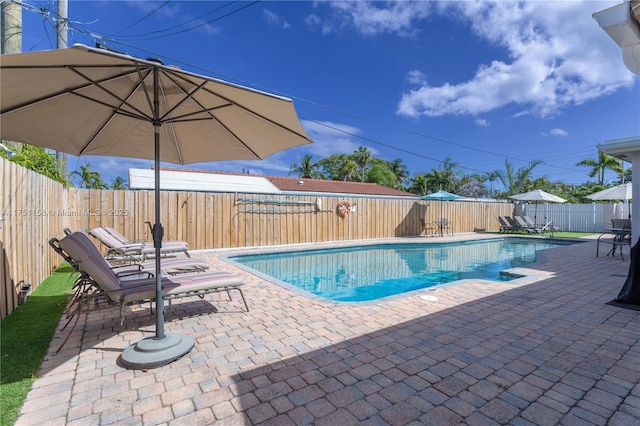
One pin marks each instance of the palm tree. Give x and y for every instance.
(472, 186)
(516, 181)
(88, 178)
(419, 184)
(492, 177)
(601, 164)
(307, 168)
(362, 158)
(118, 183)
(399, 169)
(444, 177)
(348, 170)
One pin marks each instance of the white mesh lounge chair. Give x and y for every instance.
(126, 241)
(93, 266)
(98, 283)
(116, 248)
(169, 265)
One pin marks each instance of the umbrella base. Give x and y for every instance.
(152, 352)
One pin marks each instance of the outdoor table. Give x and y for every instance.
(443, 223)
(621, 236)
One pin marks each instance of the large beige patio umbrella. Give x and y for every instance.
(86, 101)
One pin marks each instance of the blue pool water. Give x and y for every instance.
(367, 273)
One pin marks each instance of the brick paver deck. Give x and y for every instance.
(543, 352)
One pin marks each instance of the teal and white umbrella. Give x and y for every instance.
(442, 196)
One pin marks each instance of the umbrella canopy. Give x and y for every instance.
(442, 196)
(538, 195)
(86, 101)
(619, 192)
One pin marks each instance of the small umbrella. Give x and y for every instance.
(442, 196)
(538, 195)
(86, 101)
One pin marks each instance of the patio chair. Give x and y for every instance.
(169, 265)
(428, 228)
(445, 226)
(621, 223)
(98, 283)
(117, 249)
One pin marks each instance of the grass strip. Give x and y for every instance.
(25, 336)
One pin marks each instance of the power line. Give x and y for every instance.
(145, 17)
(183, 23)
(233, 12)
(79, 27)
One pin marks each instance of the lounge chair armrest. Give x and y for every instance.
(134, 275)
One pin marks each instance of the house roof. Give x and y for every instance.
(199, 180)
(334, 186)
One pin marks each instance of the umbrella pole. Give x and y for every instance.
(441, 218)
(152, 352)
(158, 233)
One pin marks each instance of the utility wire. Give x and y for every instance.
(144, 17)
(199, 25)
(310, 102)
(181, 24)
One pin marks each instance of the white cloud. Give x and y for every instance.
(332, 138)
(415, 77)
(275, 20)
(329, 139)
(558, 56)
(558, 132)
(481, 122)
(371, 18)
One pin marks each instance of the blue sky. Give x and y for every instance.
(477, 82)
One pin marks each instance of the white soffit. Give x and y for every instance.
(621, 148)
(195, 181)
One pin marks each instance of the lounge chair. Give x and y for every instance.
(515, 225)
(524, 226)
(97, 279)
(117, 249)
(528, 225)
(125, 240)
(169, 265)
(504, 225)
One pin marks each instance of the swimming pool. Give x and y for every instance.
(366, 273)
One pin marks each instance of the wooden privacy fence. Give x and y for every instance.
(36, 209)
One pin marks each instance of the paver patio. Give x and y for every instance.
(546, 352)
